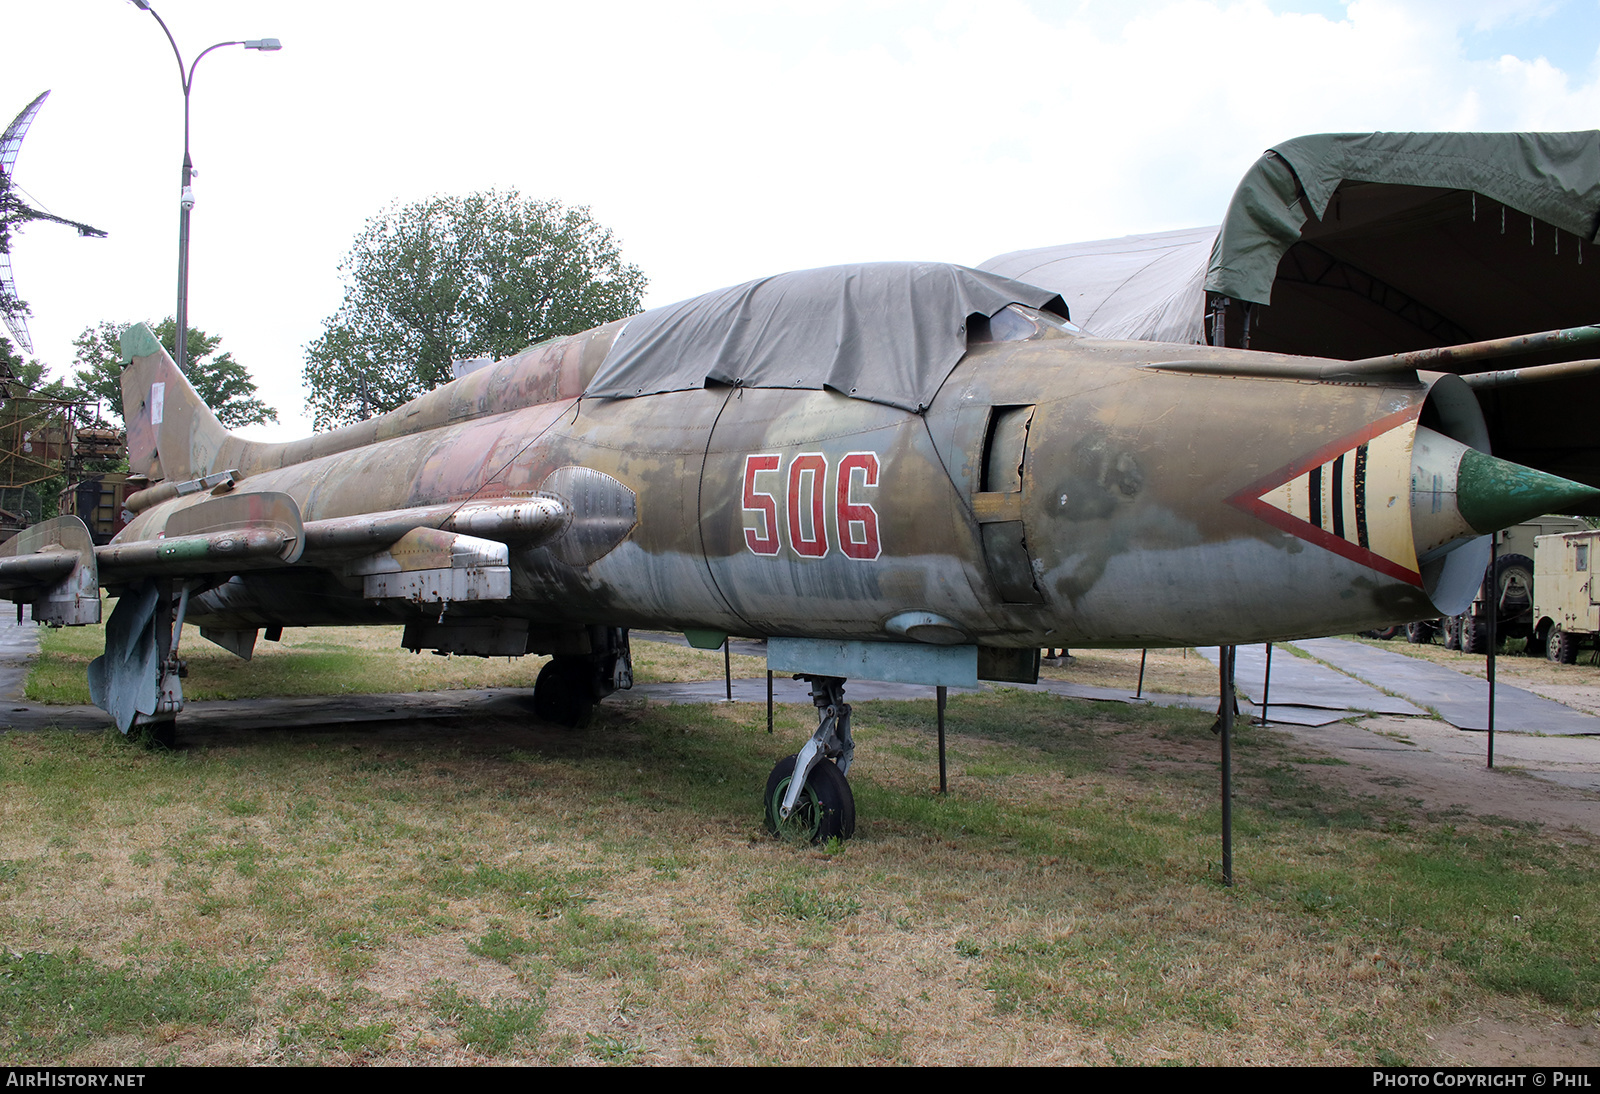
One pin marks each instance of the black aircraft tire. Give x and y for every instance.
(158, 735)
(1421, 633)
(1559, 646)
(827, 808)
(559, 696)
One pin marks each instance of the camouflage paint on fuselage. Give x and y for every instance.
(1113, 528)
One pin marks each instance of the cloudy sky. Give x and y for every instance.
(721, 141)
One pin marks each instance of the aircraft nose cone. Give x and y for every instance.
(1459, 493)
(1493, 493)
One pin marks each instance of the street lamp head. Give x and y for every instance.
(262, 43)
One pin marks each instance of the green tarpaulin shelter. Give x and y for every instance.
(1356, 244)
(1353, 245)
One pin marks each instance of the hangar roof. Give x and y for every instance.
(1363, 244)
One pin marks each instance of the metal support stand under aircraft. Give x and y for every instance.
(1227, 708)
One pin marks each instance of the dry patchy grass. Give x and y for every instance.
(1169, 672)
(465, 892)
(513, 892)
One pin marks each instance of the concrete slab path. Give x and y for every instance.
(1461, 700)
(1304, 692)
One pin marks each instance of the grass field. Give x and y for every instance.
(509, 892)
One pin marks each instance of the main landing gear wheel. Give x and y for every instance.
(162, 734)
(562, 695)
(827, 808)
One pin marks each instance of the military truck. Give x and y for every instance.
(98, 501)
(1566, 602)
(1510, 588)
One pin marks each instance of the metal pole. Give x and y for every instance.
(185, 206)
(186, 177)
(943, 692)
(1142, 655)
(1227, 764)
(769, 702)
(727, 666)
(1492, 602)
(1266, 687)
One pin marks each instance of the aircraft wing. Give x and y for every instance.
(264, 530)
(53, 565)
(56, 564)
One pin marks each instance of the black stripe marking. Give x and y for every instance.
(1314, 484)
(1361, 495)
(1337, 490)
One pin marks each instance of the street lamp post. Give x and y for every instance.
(186, 191)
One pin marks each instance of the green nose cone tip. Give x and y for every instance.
(1493, 494)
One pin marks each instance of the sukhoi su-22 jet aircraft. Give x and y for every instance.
(911, 472)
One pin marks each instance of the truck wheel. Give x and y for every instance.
(1513, 596)
(1421, 633)
(1474, 635)
(1537, 642)
(1560, 647)
(1452, 633)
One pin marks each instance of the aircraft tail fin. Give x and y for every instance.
(172, 434)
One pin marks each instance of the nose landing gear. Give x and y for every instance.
(808, 797)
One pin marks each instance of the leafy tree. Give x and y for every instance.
(485, 275)
(221, 381)
(10, 364)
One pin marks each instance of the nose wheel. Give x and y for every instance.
(826, 808)
(808, 798)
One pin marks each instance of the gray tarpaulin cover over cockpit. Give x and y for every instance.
(885, 332)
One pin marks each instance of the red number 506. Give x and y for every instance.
(805, 492)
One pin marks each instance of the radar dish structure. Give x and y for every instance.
(14, 212)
